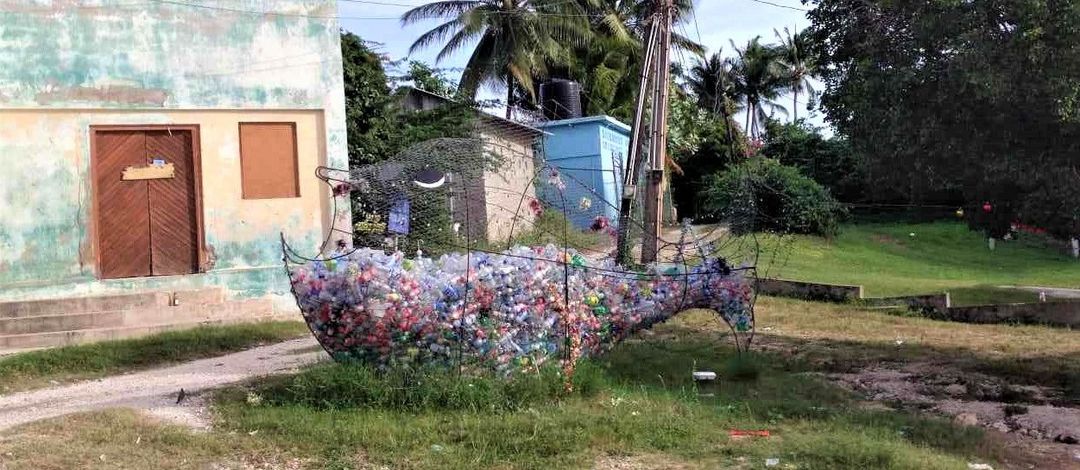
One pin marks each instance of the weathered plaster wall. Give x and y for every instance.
(68, 64)
(46, 230)
(504, 188)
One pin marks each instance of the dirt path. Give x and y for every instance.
(156, 390)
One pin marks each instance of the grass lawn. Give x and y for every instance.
(633, 408)
(886, 260)
(34, 369)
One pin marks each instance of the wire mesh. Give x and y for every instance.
(479, 253)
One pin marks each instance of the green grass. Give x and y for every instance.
(887, 260)
(632, 408)
(32, 369)
(637, 402)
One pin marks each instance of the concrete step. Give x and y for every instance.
(185, 312)
(110, 302)
(8, 343)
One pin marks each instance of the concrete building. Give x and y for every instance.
(590, 155)
(153, 152)
(498, 200)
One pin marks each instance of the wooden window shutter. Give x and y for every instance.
(268, 167)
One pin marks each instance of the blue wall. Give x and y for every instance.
(590, 154)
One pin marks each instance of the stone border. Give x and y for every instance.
(808, 290)
(938, 306)
(1066, 314)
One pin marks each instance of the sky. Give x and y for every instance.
(718, 22)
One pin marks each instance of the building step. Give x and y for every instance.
(10, 343)
(110, 303)
(185, 312)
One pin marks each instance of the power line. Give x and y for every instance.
(334, 17)
(390, 4)
(766, 2)
(273, 13)
(693, 14)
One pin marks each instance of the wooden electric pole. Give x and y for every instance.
(655, 75)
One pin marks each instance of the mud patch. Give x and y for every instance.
(1023, 415)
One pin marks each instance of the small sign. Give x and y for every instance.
(158, 162)
(399, 217)
(151, 172)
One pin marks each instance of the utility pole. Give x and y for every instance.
(654, 195)
(655, 75)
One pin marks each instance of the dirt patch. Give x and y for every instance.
(1034, 431)
(641, 462)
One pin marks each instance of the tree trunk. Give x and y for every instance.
(753, 123)
(509, 97)
(794, 103)
(749, 110)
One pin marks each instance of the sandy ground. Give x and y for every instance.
(156, 390)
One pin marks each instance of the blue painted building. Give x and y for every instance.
(590, 155)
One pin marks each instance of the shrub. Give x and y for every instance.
(829, 161)
(761, 194)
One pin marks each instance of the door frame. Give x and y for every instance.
(196, 164)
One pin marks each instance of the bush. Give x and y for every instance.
(829, 161)
(763, 195)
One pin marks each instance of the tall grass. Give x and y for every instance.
(351, 385)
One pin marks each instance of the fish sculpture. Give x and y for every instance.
(509, 311)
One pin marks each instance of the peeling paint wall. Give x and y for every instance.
(66, 65)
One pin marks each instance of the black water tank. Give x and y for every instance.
(560, 99)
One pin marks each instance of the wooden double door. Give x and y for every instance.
(146, 201)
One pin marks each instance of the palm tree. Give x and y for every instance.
(713, 84)
(607, 66)
(798, 66)
(515, 39)
(758, 81)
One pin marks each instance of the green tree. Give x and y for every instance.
(829, 161)
(700, 143)
(367, 95)
(427, 78)
(761, 194)
(959, 101)
(797, 65)
(515, 39)
(712, 82)
(608, 64)
(759, 79)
